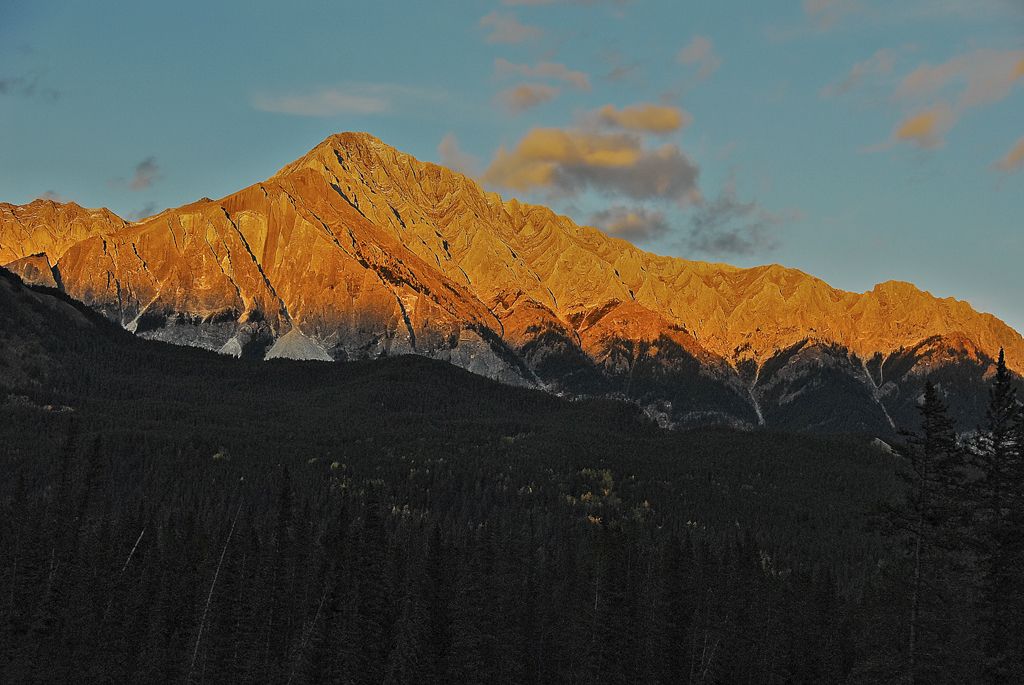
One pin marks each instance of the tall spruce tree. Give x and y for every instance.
(998, 528)
(930, 520)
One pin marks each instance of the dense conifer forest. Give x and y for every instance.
(170, 515)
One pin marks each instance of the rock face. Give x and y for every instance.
(358, 250)
(50, 228)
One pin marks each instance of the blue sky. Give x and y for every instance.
(846, 138)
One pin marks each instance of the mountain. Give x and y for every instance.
(357, 250)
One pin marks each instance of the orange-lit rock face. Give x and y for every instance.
(34, 269)
(45, 226)
(362, 250)
(493, 247)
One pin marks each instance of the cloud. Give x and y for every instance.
(452, 156)
(1013, 161)
(700, 53)
(619, 68)
(983, 77)
(536, 3)
(27, 86)
(506, 29)
(728, 226)
(942, 93)
(879, 64)
(645, 117)
(568, 161)
(349, 98)
(553, 71)
(959, 10)
(323, 103)
(927, 128)
(52, 196)
(147, 210)
(524, 96)
(635, 224)
(825, 14)
(146, 172)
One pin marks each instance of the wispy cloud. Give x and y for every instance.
(143, 212)
(146, 173)
(28, 86)
(506, 29)
(618, 68)
(881, 63)
(1013, 160)
(825, 14)
(938, 95)
(700, 54)
(350, 98)
(635, 224)
(452, 156)
(52, 196)
(982, 77)
(537, 3)
(322, 103)
(645, 117)
(729, 226)
(526, 96)
(554, 71)
(926, 129)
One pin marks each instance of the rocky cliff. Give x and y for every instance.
(359, 250)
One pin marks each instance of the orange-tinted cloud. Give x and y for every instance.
(554, 71)
(983, 77)
(645, 117)
(506, 29)
(1013, 161)
(527, 95)
(568, 161)
(925, 129)
(944, 92)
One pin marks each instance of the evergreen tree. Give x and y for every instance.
(998, 499)
(931, 521)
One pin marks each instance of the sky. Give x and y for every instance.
(857, 140)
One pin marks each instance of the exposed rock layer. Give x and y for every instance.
(357, 249)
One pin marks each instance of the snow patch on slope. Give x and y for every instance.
(295, 345)
(232, 347)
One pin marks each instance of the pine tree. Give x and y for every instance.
(931, 521)
(998, 500)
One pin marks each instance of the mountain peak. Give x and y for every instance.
(364, 250)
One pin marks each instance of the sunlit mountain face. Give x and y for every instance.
(357, 250)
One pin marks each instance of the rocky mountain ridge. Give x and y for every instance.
(359, 250)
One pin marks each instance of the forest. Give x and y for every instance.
(171, 515)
